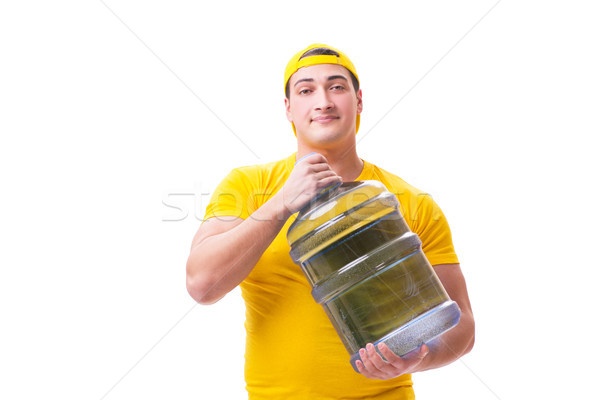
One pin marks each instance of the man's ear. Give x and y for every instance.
(359, 105)
(288, 114)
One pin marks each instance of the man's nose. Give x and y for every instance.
(323, 101)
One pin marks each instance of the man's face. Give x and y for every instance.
(323, 105)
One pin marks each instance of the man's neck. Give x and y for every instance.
(344, 161)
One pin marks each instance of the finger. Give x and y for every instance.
(318, 167)
(312, 158)
(389, 355)
(368, 364)
(415, 357)
(303, 157)
(376, 359)
(417, 353)
(328, 184)
(423, 351)
(326, 174)
(361, 368)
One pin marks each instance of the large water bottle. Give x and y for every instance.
(368, 271)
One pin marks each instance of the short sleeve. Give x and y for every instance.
(434, 231)
(231, 197)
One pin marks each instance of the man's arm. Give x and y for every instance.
(226, 249)
(445, 349)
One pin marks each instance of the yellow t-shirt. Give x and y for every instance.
(292, 349)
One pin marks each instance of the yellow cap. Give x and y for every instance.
(296, 63)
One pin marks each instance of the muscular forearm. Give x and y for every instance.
(219, 263)
(450, 346)
(459, 340)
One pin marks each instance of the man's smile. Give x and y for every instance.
(324, 118)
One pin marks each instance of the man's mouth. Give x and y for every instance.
(324, 118)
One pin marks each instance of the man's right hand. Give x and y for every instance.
(311, 175)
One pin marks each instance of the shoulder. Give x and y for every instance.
(246, 188)
(394, 183)
(260, 174)
(274, 167)
(415, 204)
(423, 216)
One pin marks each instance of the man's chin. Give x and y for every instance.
(323, 139)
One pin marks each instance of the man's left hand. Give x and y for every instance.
(375, 367)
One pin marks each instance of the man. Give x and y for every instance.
(292, 349)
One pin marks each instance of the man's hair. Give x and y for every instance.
(322, 51)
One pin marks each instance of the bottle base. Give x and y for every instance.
(421, 329)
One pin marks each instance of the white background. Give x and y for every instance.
(118, 118)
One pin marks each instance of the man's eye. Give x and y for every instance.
(337, 87)
(304, 91)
